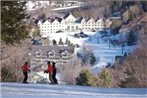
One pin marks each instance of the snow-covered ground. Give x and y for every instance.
(34, 5)
(102, 52)
(65, 8)
(18, 90)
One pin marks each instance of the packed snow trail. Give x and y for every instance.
(18, 90)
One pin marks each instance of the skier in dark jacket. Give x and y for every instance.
(54, 73)
(25, 69)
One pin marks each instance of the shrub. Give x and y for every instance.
(66, 42)
(132, 38)
(54, 42)
(60, 42)
(105, 79)
(6, 75)
(77, 35)
(85, 78)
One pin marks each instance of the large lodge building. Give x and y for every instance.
(70, 23)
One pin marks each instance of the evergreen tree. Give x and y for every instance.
(60, 41)
(66, 42)
(93, 59)
(13, 17)
(69, 43)
(105, 79)
(85, 79)
(115, 6)
(54, 42)
(144, 7)
(132, 38)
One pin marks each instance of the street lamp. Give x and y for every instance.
(98, 40)
(123, 48)
(98, 37)
(109, 41)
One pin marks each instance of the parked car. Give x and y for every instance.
(108, 65)
(60, 31)
(77, 35)
(93, 30)
(77, 45)
(82, 35)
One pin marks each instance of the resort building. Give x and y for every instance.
(69, 23)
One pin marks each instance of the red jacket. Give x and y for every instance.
(25, 67)
(50, 68)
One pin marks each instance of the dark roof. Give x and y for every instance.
(66, 15)
(87, 19)
(36, 21)
(58, 49)
(43, 20)
(97, 18)
(50, 19)
(58, 19)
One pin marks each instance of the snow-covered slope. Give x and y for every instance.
(101, 50)
(18, 90)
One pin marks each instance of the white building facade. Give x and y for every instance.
(69, 23)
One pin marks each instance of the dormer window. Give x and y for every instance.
(51, 53)
(64, 54)
(38, 53)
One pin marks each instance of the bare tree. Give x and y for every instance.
(71, 70)
(13, 57)
(132, 73)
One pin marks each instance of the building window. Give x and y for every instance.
(51, 53)
(64, 54)
(38, 53)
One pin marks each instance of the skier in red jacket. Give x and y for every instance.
(25, 69)
(50, 71)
